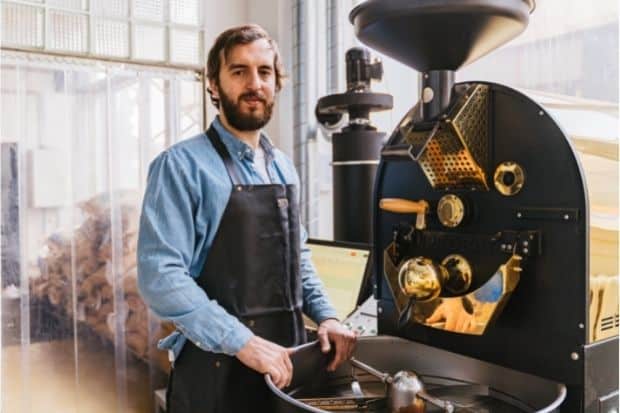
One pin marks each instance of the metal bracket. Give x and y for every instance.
(547, 214)
(523, 243)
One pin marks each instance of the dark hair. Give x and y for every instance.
(235, 36)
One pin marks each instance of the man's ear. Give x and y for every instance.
(213, 90)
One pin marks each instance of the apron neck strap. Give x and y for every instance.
(215, 139)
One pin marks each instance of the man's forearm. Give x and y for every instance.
(175, 296)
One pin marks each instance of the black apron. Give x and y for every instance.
(252, 270)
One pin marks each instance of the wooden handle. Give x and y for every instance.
(403, 206)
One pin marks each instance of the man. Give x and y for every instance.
(221, 250)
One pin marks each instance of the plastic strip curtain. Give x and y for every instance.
(76, 140)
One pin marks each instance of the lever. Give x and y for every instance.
(406, 206)
(443, 404)
(384, 377)
(406, 314)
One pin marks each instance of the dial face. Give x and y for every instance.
(451, 211)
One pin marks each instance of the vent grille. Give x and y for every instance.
(610, 322)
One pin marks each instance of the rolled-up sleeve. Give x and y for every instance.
(165, 250)
(316, 303)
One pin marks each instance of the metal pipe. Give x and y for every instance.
(334, 45)
(384, 377)
(435, 92)
(300, 103)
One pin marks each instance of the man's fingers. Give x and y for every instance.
(289, 368)
(283, 380)
(287, 362)
(283, 376)
(451, 323)
(275, 377)
(350, 348)
(463, 322)
(266, 357)
(324, 342)
(339, 354)
(469, 326)
(332, 365)
(348, 343)
(337, 361)
(332, 333)
(435, 317)
(344, 345)
(279, 366)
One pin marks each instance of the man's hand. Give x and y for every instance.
(454, 315)
(331, 331)
(267, 357)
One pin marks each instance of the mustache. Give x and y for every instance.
(253, 95)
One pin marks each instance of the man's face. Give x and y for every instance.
(246, 86)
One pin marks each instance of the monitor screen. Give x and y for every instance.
(341, 267)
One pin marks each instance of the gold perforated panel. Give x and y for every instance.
(471, 123)
(417, 140)
(453, 152)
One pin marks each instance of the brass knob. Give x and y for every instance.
(450, 211)
(459, 273)
(419, 278)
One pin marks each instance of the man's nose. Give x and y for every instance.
(253, 80)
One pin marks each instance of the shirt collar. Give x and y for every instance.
(239, 149)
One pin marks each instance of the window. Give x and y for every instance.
(155, 31)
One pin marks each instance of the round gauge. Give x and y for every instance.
(450, 211)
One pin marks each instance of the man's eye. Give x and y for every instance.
(265, 73)
(237, 73)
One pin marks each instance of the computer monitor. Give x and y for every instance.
(343, 268)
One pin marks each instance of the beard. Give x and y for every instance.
(241, 121)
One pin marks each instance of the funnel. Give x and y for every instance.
(437, 37)
(430, 35)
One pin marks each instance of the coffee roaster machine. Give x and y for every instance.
(482, 233)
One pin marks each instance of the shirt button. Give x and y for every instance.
(217, 364)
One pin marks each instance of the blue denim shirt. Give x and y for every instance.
(186, 193)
